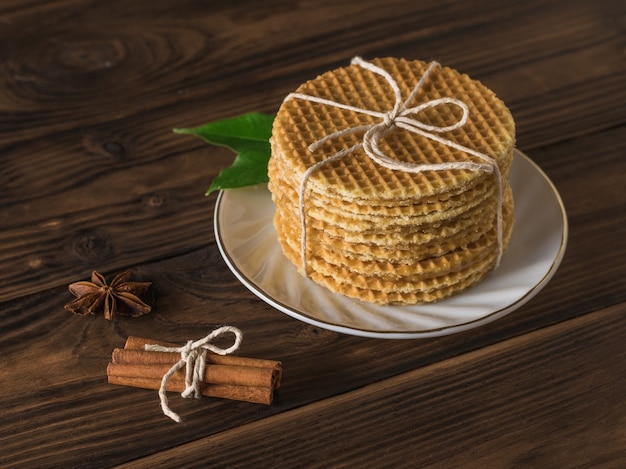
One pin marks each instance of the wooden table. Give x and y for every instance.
(92, 178)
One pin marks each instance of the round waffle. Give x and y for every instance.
(391, 236)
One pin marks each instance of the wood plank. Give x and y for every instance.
(10, 9)
(553, 398)
(106, 66)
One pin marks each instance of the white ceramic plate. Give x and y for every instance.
(247, 241)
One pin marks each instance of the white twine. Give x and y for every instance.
(193, 356)
(397, 117)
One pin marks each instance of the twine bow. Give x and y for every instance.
(193, 357)
(404, 117)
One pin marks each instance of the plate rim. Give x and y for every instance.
(303, 316)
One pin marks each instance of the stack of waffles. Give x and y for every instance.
(390, 236)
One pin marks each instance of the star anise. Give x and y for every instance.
(121, 296)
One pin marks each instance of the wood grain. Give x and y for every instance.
(79, 158)
(92, 177)
(544, 399)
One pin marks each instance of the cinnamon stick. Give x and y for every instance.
(138, 343)
(214, 374)
(225, 376)
(255, 394)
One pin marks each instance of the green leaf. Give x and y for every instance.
(249, 137)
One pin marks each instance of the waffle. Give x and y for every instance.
(412, 266)
(391, 236)
(435, 205)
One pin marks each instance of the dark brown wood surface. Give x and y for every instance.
(91, 177)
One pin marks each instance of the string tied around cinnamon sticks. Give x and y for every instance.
(233, 377)
(404, 117)
(193, 358)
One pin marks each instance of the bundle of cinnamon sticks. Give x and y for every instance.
(225, 376)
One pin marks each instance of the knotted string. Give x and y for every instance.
(193, 356)
(399, 116)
